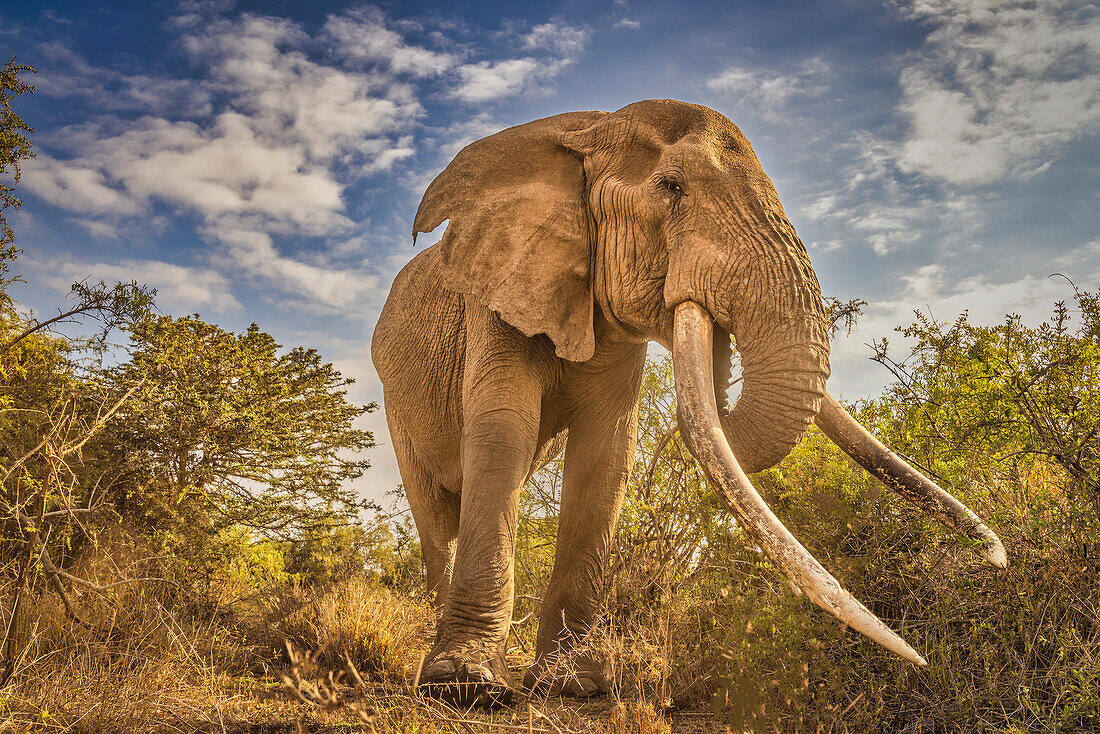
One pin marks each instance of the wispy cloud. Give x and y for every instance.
(180, 289)
(321, 286)
(486, 80)
(76, 185)
(769, 92)
(868, 201)
(560, 45)
(277, 131)
(225, 168)
(999, 88)
(560, 38)
(935, 290)
(54, 17)
(264, 66)
(70, 76)
(361, 37)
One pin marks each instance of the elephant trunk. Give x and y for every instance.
(693, 366)
(772, 304)
(783, 383)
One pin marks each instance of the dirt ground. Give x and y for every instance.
(267, 707)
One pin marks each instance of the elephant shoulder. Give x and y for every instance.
(423, 271)
(420, 313)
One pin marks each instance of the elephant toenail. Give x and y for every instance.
(474, 670)
(440, 669)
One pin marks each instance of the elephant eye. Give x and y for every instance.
(673, 187)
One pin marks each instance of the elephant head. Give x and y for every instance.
(657, 222)
(627, 215)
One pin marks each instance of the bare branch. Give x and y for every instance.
(39, 325)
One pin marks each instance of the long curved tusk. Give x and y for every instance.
(691, 355)
(895, 473)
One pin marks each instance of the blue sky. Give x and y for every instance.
(262, 161)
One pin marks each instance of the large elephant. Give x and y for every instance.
(572, 242)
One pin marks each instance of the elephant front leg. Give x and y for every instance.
(467, 662)
(597, 459)
(435, 510)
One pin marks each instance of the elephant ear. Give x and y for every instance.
(518, 231)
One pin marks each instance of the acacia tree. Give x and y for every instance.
(14, 144)
(224, 430)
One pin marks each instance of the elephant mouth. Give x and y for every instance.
(722, 361)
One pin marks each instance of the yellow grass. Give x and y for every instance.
(379, 630)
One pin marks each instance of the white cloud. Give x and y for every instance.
(223, 169)
(361, 37)
(1000, 87)
(559, 38)
(866, 202)
(768, 91)
(485, 81)
(76, 186)
(325, 288)
(68, 75)
(999, 90)
(277, 137)
(54, 17)
(290, 98)
(261, 145)
(180, 289)
(627, 23)
(99, 228)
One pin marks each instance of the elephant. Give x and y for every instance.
(572, 242)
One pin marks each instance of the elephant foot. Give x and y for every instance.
(466, 684)
(582, 678)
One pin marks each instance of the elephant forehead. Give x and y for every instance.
(725, 148)
(673, 121)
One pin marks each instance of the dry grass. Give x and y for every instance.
(1008, 649)
(380, 631)
(139, 667)
(142, 668)
(635, 717)
(382, 707)
(134, 669)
